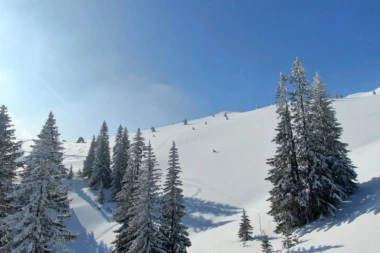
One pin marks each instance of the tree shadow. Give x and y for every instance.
(365, 200)
(261, 237)
(200, 214)
(313, 249)
(77, 187)
(85, 242)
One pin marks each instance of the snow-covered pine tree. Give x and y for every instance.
(101, 194)
(289, 239)
(319, 194)
(120, 159)
(10, 151)
(266, 245)
(40, 201)
(101, 170)
(309, 159)
(174, 231)
(71, 173)
(245, 228)
(80, 173)
(89, 161)
(338, 171)
(122, 214)
(146, 209)
(48, 145)
(284, 174)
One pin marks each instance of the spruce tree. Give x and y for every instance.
(289, 240)
(338, 171)
(284, 174)
(266, 245)
(120, 159)
(101, 171)
(41, 202)
(309, 159)
(101, 194)
(245, 228)
(146, 209)
(123, 214)
(174, 231)
(10, 152)
(80, 173)
(89, 161)
(71, 173)
(311, 172)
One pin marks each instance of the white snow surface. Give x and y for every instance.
(364, 94)
(217, 185)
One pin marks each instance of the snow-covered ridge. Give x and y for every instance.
(364, 94)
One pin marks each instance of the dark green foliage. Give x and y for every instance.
(101, 194)
(311, 172)
(10, 152)
(266, 246)
(146, 209)
(284, 174)
(101, 170)
(119, 160)
(289, 240)
(123, 214)
(174, 231)
(71, 174)
(80, 173)
(245, 228)
(89, 161)
(40, 201)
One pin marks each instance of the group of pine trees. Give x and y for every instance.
(311, 173)
(150, 217)
(32, 211)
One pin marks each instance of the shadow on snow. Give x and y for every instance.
(313, 249)
(77, 186)
(365, 200)
(200, 213)
(86, 242)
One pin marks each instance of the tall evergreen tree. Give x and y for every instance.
(339, 171)
(146, 208)
(311, 172)
(174, 231)
(89, 161)
(101, 194)
(10, 152)
(101, 171)
(245, 228)
(308, 157)
(120, 159)
(284, 174)
(40, 201)
(123, 214)
(71, 173)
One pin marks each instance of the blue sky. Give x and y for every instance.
(152, 63)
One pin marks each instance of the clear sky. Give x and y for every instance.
(151, 63)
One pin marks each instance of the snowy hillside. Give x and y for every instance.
(218, 184)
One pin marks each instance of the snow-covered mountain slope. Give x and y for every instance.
(218, 184)
(364, 94)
